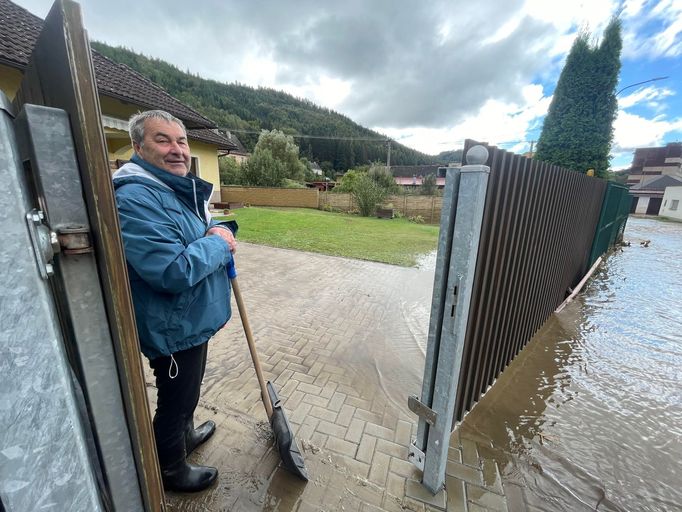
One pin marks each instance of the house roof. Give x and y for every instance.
(414, 170)
(658, 184)
(212, 136)
(417, 181)
(19, 30)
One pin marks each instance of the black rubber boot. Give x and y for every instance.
(199, 435)
(185, 477)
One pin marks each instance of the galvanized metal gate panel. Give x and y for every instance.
(40, 421)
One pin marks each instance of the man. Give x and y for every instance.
(177, 263)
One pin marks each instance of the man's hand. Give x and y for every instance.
(226, 235)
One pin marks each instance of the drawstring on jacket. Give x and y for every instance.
(170, 368)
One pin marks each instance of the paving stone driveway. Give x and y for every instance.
(341, 340)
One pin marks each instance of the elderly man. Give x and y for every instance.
(177, 261)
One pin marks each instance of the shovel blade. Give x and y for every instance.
(292, 460)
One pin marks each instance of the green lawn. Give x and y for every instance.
(395, 241)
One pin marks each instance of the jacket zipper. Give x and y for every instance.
(196, 203)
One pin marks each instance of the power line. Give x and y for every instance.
(304, 136)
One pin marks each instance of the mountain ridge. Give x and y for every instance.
(333, 139)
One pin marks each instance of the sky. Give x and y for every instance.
(425, 73)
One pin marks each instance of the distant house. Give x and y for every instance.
(122, 92)
(672, 203)
(647, 197)
(412, 176)
(238, 153)
(650, 163)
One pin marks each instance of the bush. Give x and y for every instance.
(383, 177)
(230, 171)
(429, 185)
(347, 183)
(287, 183)
(262, 170)
(368, 194)
(417, 219)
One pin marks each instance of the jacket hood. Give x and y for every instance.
(133, 173)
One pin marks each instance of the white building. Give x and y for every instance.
(672, 203)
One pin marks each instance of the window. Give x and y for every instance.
(674, 204)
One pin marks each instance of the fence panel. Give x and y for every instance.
(538, 227)
(265, 196)
(614, 215)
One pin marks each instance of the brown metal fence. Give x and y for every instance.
(538, 226)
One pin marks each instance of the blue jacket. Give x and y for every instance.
(178, 276)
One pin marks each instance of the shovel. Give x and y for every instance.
(292, 460)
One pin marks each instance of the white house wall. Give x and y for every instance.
(672, 194)
(642, 205)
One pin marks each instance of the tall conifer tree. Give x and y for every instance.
(578, 130)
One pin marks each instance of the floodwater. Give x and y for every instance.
(589, 415)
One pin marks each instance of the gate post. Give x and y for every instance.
(462, 214)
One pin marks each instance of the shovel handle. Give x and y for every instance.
(252, 346)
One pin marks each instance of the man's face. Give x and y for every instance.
(165, 146)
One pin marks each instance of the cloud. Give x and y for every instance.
(653, 29)
(632, 131)
(495, 122)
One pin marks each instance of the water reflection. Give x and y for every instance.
(589, 415)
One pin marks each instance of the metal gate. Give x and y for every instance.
(75, 425)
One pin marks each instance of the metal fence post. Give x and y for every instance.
(462, 213)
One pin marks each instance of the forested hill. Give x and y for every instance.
(239, 107)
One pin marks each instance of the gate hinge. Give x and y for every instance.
(423, 411)
(44, 241)
(75, 240)
(416, 456)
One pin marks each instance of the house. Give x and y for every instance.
(122, 92)
(238, 153)
(647, 197)
(672, 199)
(412, 176)
(649, 163)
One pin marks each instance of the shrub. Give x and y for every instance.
(429, 185)
(368, 194)
(417, 219)
(230, 171)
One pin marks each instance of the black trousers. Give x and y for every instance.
(178, 383)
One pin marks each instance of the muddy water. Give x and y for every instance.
(589, 415)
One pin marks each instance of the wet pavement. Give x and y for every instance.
(587, 417)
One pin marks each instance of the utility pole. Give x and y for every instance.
(388, 156)
(532, 142)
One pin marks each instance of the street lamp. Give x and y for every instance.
(644, 82)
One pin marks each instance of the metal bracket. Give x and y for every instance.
(421, 410)
(416, 456)
(44, 241)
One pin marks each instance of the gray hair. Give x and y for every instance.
(136, 123)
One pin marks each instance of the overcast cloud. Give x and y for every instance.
(426, 73)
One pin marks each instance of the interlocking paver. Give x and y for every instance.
(332, 429)
(355, 430)
(379, 468)
(392, 449)
(366, 449)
